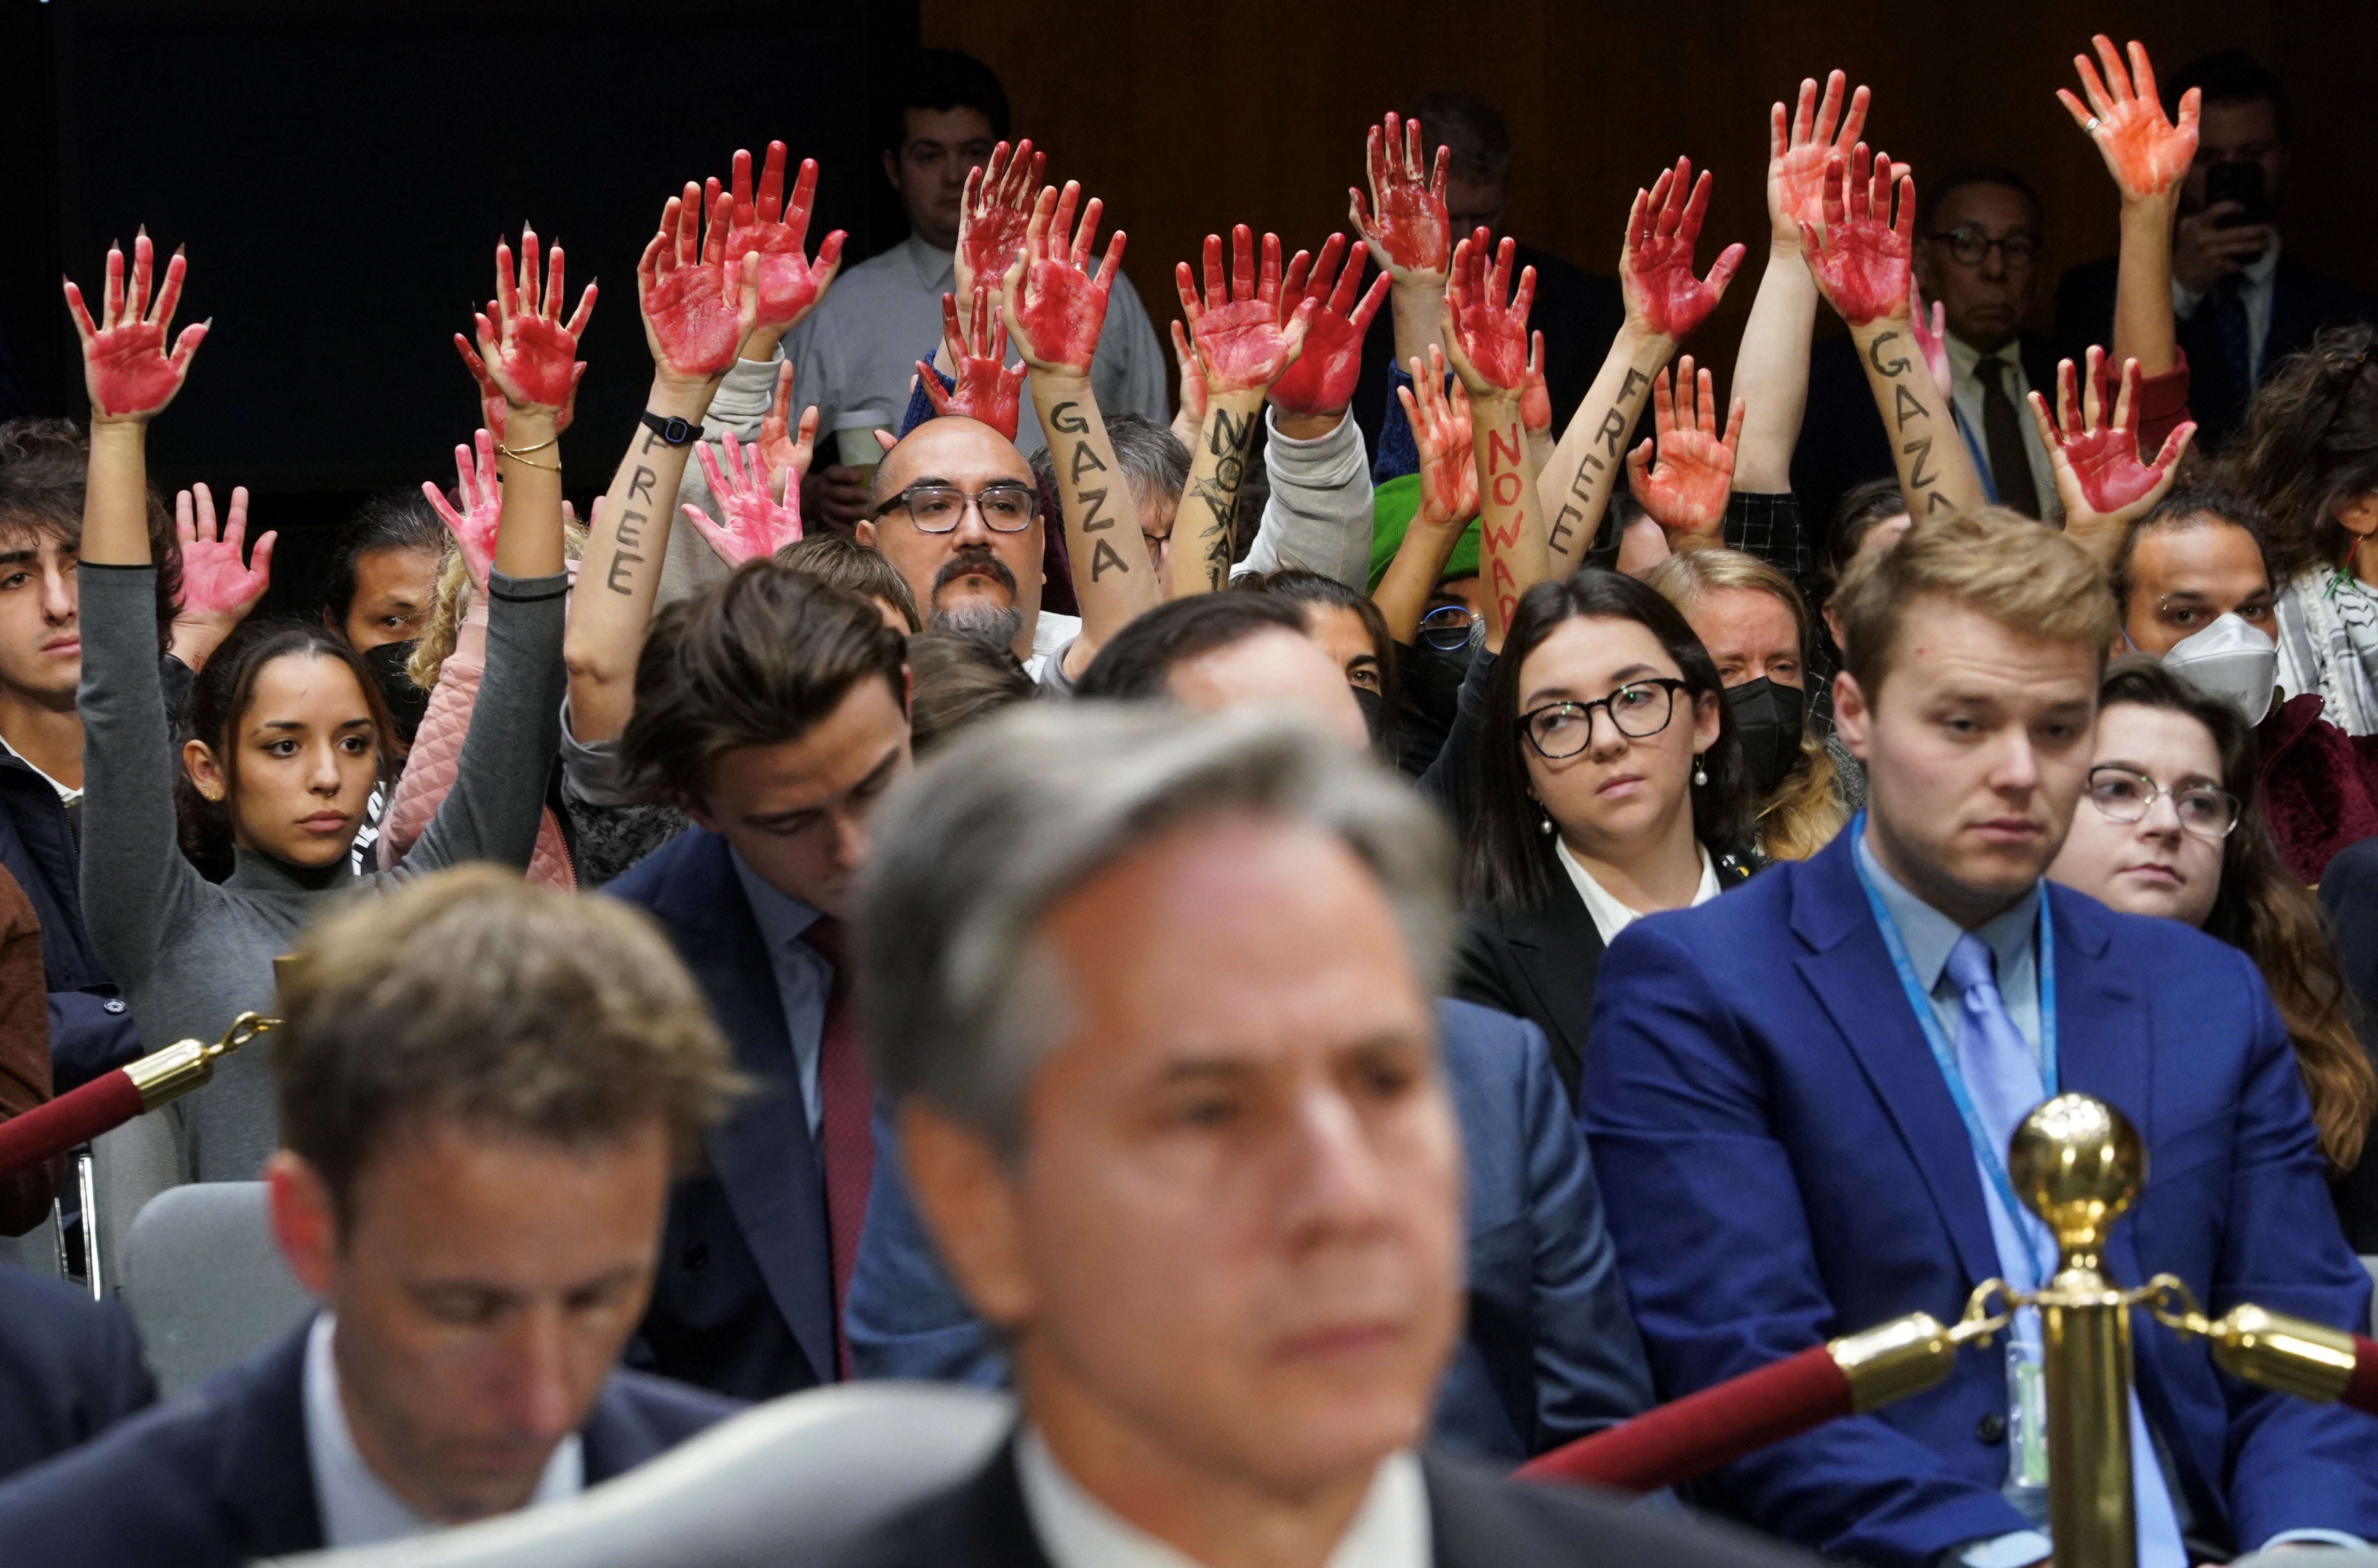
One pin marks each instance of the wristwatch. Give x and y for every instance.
(675, 431)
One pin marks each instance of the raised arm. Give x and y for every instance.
(1448, 496)
(1859, 259)
(2148, 156)
(790, 281)
(130, 378)
(993, 218)
(218, 588)
(1410, 237)
(1685, 495)
(988, 388)
(2099, 477)
(1487, 340)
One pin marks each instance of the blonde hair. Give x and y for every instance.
(435, 644)
(1801, 815)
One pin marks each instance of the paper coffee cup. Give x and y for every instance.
(855, 444)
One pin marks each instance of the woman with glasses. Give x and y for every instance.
(2171, 825)
(1610, 785)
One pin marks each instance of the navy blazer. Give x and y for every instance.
(743, 1302)
(220, 1475)
(90, 1030)
(69, 1368)
(1550, 1353)
(1784, 1163)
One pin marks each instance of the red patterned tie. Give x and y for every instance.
(846, 1104)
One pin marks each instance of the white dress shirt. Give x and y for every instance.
(2257, 283)
(1964, 375)
(1075, 1530)
(1610, 916)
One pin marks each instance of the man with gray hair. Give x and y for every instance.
(1151, 1000)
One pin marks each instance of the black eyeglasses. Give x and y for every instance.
(938, 508)
(1447, 628)
(1969, 246)
(2121, 794)
(1637, 710)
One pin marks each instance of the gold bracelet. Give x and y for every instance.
(515, 453)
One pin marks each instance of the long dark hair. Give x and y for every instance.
(220, 699)
(1301, 587)
(1505, 856)
(2311, 441)
(2263, 912)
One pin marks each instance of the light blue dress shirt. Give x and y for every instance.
(804, 980)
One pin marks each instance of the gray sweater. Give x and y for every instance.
(192, 955)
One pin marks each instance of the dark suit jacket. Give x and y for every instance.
(2349, 890)
(69, 1368)
(1475, 1521)
(1550, 1354)
(1784, 1163)
(744, 1300)
(220, 1475)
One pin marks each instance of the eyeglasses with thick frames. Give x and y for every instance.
(1639, 709)
(1969, 246)
(1006, 507)
(2122, 794)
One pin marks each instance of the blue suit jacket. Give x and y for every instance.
(220, 1475)
(743, 1302)
(1550, 1353)
(1784, 1163)
(69, 1368)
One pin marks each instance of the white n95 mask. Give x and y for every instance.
(2232, 660)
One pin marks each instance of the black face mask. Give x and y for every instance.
(1767, 722)
(1432, 678)
(406, 702)
(1375, 717)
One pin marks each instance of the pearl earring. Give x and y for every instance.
(1700, 775)
(1545, 827)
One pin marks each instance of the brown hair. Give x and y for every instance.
(2262, 911)
(960, 680)
(758, 659)
(2029, 579)
(2311, 441)
(847, 564)
(1803, 813)
(2203, 500)
(42, 466)
(510, 1009)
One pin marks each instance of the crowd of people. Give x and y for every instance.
(1331, 949)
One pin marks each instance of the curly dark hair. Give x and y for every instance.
(2311, 441)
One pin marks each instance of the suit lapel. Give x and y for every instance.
(263, 1474)
(1557, 951)
(2102, 1043)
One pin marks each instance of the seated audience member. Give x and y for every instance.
(1350, 629)
(1773, 1099)
(70, 1367)
(1215, 652)
(957, 681)
(1612, 784)
(1156, 466)
(1756, 628)
(774, 710)
(25, 1070)
(2188, 564)
(844, 563)
(2172, 825)
(2348, 890)
(483, 1087)
(1217, 1227)
(384, 575)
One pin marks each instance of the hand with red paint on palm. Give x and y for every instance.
(1859, 255)
(1486, 338)
(757, 522)
(993, 216)
(474, 527)
(492, 406)
(1536, 398)
(1795, 160)
(1321, 382)
(1655, 266)
(1241, 342)
(787, 460)
(218, 588)
(697, 304)
(1441, 431)
(1053, 305)
(790, 282)
(1685, 495)
(2099, 479)
(1412, 239)
(2147, 155)
(531, 353)
(988, 388)
(1930, 332)
(125, 367)
(1191, 413)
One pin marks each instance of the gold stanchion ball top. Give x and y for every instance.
(2079, 1163)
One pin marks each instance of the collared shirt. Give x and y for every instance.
(859, 349)
(357, 1506)
(67, 797)
(2256, 285)
(2011, 935)
(1610, 916)
(1964, 375)
(1053, 634)
(804, 980)
(1075, 1530)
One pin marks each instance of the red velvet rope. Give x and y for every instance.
(106, 1102)
(1703, 1431)
(2361, 1389)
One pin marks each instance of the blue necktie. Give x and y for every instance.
(2003, 1079)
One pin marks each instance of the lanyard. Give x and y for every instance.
(1944, 1054)
(1974, 450)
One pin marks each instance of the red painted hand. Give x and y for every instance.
(790, 282)
(216, 585)
(474, 527)
(1655, 268)
(1686, 493)
(1054, 307)
(994, 215)
(2145, 153)
(1536, 403)
(1487, 339)
(697, 304)
(757, 524)
(1412, 239)
(1440, 427)
(1858, 256)
(1930, 332)
(785, 459)
(1243, 344)
(125, 367)
(988, 386)
(1322, 381)
(531, 354)
(1795, 162)
(2098, 474)
(1191, 413)
(492, 406)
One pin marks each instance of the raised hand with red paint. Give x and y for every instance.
(2146, 154)
(1321, 382)
(1536, 398)
(1486, 324)
(1242, 342)
(785, 459)
(124, 366)
(1441, 428)
(1655, 266)
(988, 388)
(1685, 495)
(1795, 159)
(697, 302)
(1859, 255)
(757, 523)
(474, 527)
(1930, 332)
(1410, 238)
(2099, 477)
(790, 281)
(1054, 306)
(531, 353)
(218, 588)
(492, 407)
(993, 216)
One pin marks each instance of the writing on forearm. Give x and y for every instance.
(642, 484)
(1504, 516)
(1581, 512)
(1082, 459)
(1228, 436)
(1907, 407)
(630, 535)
